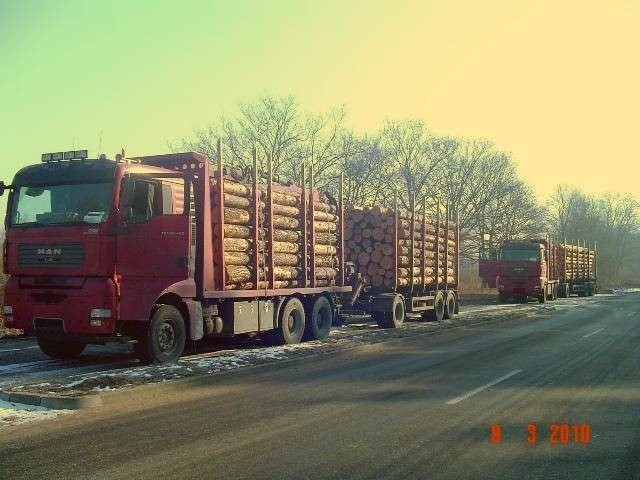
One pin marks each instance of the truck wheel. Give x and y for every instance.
(165, 337)
(291, 324)
(436, 314)
(503, 297)
(394, 317)
(542, 298)
(318, 318)
(60, 350)
(449, 305)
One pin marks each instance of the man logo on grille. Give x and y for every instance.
(49, 251)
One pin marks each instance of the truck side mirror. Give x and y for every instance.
(4, 187)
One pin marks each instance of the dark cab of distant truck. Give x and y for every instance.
(541, 269)
(133, 251)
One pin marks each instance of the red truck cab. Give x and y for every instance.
(90, 247)
(525, 269)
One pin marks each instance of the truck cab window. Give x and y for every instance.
(139, 200)
(172, 197)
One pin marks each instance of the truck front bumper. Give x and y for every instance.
(87, 307)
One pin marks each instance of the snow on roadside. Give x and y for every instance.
(17, 413)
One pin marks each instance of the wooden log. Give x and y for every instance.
(236, 231)
(280, 235)
(236, 258)
(324, 216)
(326, 261)
(326, 272)
(286, 259)
(326, 238)
(280, 221)
(325, 250)
(236, 201)
(286, 210)
(237, 244)
(236, 216)
(286, 247)
(326, 227)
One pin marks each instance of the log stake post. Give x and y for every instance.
(456, 275)
(446, 248)
(305, 227)
(312, 228)
(396, 222)
(423, 264)
(220, 200)
(589, 261)
(341, 231)
(595, 260)
(256, 221)
(271, 273)
(437, 246)
(412, 231)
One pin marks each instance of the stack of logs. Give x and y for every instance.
(239, 247)
(578, 262)
(369, 243)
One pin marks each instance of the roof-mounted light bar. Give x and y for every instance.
(70, 155)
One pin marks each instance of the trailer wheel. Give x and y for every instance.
(60, 350)
(164, 340)
(449, 305)
(503, 297)
(319, 318)
(392, 318)
(563, 290)
(436, 314)
(291, 324)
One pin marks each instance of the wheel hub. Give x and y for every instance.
(166, 337)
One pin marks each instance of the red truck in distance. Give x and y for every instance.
(540, 268)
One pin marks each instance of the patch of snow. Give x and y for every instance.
(17, 413)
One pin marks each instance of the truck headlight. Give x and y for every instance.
(101, 313)
(8, 310)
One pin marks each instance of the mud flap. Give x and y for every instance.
(196, 319)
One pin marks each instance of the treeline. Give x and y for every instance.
(611, 220)
(478, 181)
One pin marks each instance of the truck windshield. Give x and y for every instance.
(520, 255)
(42, 205)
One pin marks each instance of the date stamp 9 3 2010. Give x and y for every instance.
(557, 433)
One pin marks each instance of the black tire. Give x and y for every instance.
(291, 324)
(394, 318)
(59, 349)
(542, 298)
(165, 338)
(449, 305)
(563, 290)
(503, 297)
(436, 314)
(318, 318)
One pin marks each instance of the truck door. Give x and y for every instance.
(152, 246)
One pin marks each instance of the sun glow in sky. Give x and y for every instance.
(556, 83)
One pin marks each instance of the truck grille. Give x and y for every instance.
(59, 255)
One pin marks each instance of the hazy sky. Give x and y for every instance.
(556, 83)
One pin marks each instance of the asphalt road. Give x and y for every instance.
(415, 407)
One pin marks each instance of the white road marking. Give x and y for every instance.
(18, 349)
(592, 333)
(483, 387)
(631, 314)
